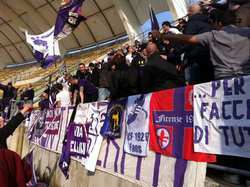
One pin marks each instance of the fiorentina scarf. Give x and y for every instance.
(74, 145)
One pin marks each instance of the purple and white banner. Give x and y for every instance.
(93, 116)
(45, 47)
(47, 128)
(137, 120)
(153, 170)
(221, 117)
(68, 18)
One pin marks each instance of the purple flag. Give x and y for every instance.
(29, 160)
(45, 47)
(75, 145)
(153, 18)
(68, 18)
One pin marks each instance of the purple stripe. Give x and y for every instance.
(123, 162)
(156, 169)
(106, 154)
(60, 128)
(179, 172)
(138, 168)
(116, 156)
(179, 103)
(99, 163)
(52, 140)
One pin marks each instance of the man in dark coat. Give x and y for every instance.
(197, 58)
(158, 73)
(93, 74)
(9, 92)
(104, 82)
(29, 94)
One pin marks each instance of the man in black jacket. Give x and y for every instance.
(10, 127)
(104, 82)
(29, 94)
(158, 73)
(93, 74)
(9, 92)
(197, 58)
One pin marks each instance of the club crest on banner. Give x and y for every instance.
(163, 137)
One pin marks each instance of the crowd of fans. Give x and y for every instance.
(211, 43)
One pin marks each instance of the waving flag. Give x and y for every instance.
(45, 48)
(68, 18)
(171, 125)
(153, 18)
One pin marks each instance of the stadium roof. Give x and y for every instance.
(38, 16)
